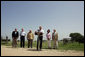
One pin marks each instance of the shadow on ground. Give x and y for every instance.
(31, 49)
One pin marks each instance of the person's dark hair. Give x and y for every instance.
(48, 30)
(15, 29)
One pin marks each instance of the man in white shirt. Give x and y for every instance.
(22, 38)
(40, 33)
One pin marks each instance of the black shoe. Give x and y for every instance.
(37, 49)
(53, 48)
(49, 47)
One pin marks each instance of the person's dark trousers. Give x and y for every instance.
(39, 39)
(37, 42)
(41, 42)
(22, 43)
(30, 41)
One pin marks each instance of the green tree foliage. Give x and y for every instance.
(77, 37)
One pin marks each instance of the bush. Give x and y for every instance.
(77, 37)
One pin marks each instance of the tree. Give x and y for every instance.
(80, 39)
(77, 37)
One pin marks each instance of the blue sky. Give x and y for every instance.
(64, 16)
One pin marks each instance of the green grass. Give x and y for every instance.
(4, 43)
(72, 46)
(68, 46)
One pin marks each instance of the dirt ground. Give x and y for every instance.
(9, 51)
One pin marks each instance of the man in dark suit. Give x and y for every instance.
(15, 36)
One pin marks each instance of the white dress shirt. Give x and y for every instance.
(15, 32)
(22, 33)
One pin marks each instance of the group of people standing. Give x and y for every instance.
(30, 37)
(54, 38)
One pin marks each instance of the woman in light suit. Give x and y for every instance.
(55, 39)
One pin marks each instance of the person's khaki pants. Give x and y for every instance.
(14, 42)
(49, 43)
(55, 43)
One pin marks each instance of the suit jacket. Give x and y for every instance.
(15, 35)
(30, 36)
(55, 37)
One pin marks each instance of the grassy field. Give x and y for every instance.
(68, 46)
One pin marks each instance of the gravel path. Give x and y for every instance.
(9, 51)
